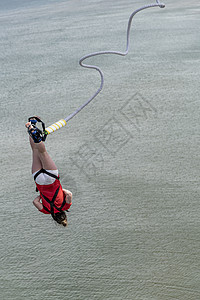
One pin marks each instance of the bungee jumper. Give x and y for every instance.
(53, 199)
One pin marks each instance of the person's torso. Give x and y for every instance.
(53, 197)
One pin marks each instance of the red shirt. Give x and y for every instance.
(48, 193)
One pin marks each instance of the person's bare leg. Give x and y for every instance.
(41, 159)
(46, 160)
(36, 162)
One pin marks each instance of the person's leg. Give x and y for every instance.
(36, 162)
(46, 160)
(41, 159)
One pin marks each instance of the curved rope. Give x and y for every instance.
(63, 122)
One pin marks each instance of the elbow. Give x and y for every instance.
(70, 197)
(35, 201)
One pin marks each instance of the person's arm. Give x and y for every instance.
(68, 195)
(37, 203)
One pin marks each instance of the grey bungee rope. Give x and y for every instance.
(61, 123)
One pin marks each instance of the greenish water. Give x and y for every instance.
(131, 158)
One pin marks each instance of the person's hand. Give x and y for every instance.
(68, 195)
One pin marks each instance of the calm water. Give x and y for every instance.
(131, 158)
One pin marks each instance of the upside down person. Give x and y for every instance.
(53, 199)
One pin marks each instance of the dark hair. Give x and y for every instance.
(60, 218)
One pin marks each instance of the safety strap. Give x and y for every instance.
(46, 172)
(51, 202)
(34, 120)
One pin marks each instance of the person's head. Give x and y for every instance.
(60, 218)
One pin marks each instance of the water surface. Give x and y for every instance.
(131, 158)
